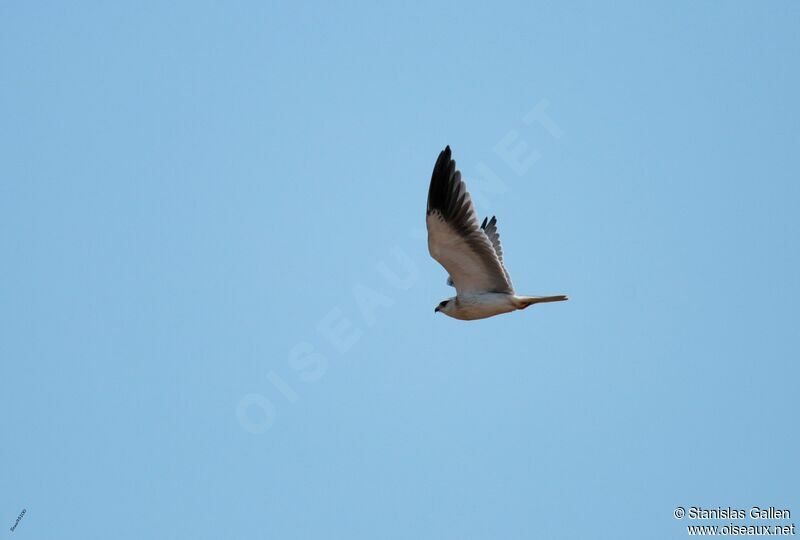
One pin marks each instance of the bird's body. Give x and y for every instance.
(469, 307)
(472, 254)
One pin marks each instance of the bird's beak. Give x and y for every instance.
(436, 309)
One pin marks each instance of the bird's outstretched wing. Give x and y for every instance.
(454, 237)
(489, 227)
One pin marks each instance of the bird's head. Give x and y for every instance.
(444, 306)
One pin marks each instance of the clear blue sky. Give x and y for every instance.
(216, 301)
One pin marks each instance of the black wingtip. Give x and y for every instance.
(446, 154)
(444, 157)
(444, 179)
(485, 220)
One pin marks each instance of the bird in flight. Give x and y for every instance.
(470, 253)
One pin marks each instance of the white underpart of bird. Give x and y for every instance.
(471, 253)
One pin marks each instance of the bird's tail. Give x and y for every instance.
(521, 302)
